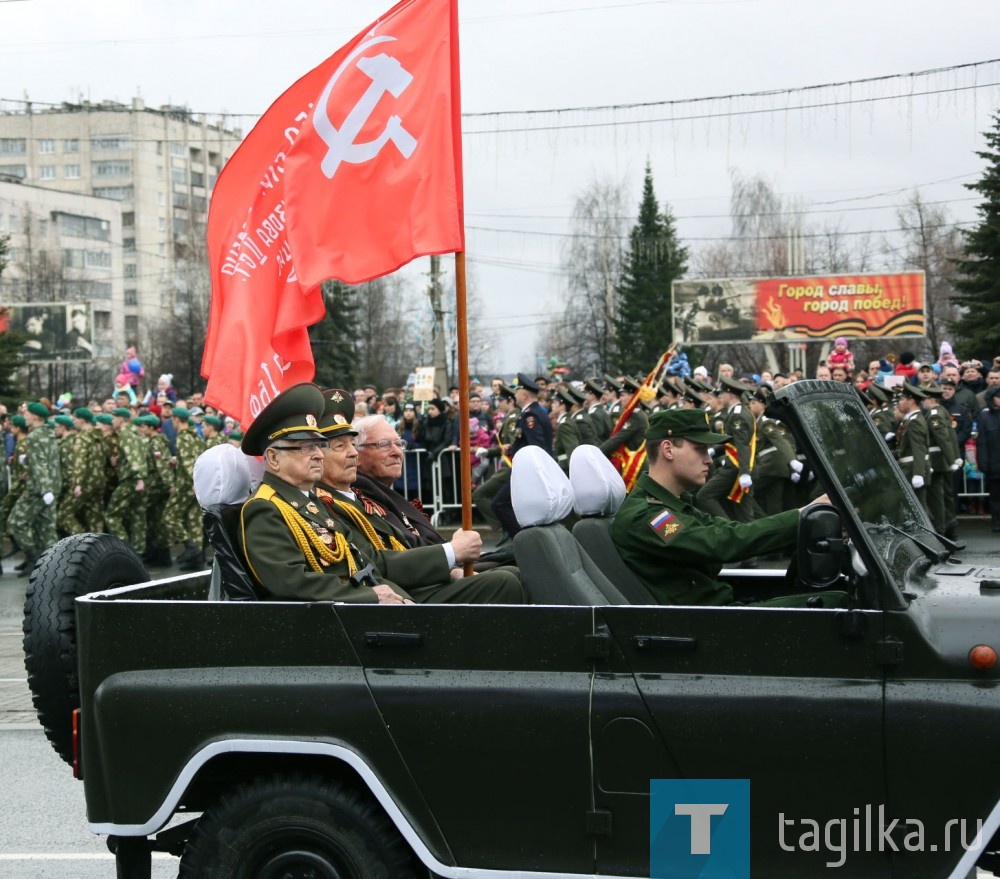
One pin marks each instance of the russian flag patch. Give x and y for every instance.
(666, 524)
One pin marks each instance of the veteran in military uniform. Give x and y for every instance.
(32, 521)
(727, 491)
(677, 549)
(913, 440)
(417, 570)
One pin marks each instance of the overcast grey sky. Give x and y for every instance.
(854, 159)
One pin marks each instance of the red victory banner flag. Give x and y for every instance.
(354, 171)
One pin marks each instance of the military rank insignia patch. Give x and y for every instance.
(666, 524)
(530, 422)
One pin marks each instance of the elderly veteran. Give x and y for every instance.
(427, 573)
(674, 547)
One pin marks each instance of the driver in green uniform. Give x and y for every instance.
(677, 549)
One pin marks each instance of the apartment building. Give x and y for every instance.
(156, 168)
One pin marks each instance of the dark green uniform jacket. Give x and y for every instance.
(678, 550)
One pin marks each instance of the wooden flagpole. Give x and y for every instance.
(463, 393)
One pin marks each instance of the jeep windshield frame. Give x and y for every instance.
(859, 473)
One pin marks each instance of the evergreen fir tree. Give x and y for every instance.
(978, 283)
(644, 315)
(11, 341)
(335, 338)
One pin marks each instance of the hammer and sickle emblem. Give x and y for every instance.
(386, 75)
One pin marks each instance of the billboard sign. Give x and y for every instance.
(798, 309)
(56, 330)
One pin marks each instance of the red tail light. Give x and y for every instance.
(76, 743)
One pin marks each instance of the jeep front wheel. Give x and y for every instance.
(296, 827)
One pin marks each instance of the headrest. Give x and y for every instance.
(539, 490)
(598, 487)
(224, 475)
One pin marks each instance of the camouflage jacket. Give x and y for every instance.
(42, 461)
(131, 454)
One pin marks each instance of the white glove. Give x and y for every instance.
(917, 481)
(48, 498)
(745, 481)
(889, 437)
(481, 452)
(796, 466)
(796, 476)
(956, 465)
(711, 451)
(21, 459)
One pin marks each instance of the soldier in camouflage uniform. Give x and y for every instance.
(483, 496)
(211, 428)
(87, 477)
(126, 511)
(159, 481)
(32, 522)
(16, 466)
(110, 440)
(65, 433)
(182, 517)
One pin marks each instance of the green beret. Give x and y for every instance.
(122, 412)
(103, 418)
(293, 414)
(692, 424)
(338, 413)
(236, 435)
(149, 419)
(65, 421)
(39, 409)
(213, 421)
(181, 413)
(19, 421)
(85, 414)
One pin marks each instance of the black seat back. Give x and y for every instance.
(594, 537)
(222, 526)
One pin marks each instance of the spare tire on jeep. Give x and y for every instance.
(75, 566)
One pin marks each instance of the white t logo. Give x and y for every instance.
(701, 823)
(386, 75)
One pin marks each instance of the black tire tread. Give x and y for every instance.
(74, 566)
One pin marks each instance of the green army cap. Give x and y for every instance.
(213, 421)
(122, 412)
(65, 421)
(734, 386)
(566, 397)
(878, 394)
(293, 414)
(103, 418)
(913, 392)
(611, 383)
(507, 392)
(19, 421)
(39, 409)
(181, 413)
(338, 413)
(576, 394)
(236, 435)
(630, 384)
(85, 414)
(933, 391)
(591, 385)
(701, 387)
(692, 424)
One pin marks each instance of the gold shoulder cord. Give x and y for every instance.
(359, 519)
(314, 550)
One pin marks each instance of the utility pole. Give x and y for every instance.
(440, 362)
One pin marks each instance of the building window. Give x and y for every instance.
(72, 172)
(131, 327)
(117, 193)
(46, 172)
(178, 175)
(177, 149)
(106, 142)
(197, 178)
(128, 218)
(161, 199)
(102, 320)
(78, 226)
(128, 245)
(19, 172)
(130, 270)
(72, 258)
(159, 172)
(97, 259)
(161, 224)
(13, 146)
(46, 146)
(131, 297)
(116, 168)
(43, 227)
(71, 145)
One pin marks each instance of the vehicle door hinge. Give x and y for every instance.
(888, 652)
(597, 646)
(599, 823)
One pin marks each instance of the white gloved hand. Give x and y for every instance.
(48, 498)
(746, 480)
(481, 452)
(21, 459)
(796, 466)
(796, 476)
(917, 481)
(889, 437)
(957, 464)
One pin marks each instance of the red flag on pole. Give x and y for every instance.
(350, 174)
